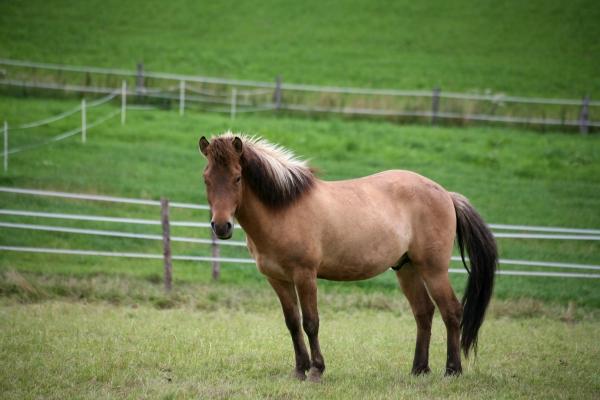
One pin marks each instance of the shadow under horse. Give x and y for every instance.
(300, 228)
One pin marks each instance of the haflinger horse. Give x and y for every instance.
(300, 228)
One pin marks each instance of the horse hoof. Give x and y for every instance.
(314, 375)
(299, 374)
(453, 371)
(422, 370)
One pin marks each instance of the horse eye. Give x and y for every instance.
(238, 179)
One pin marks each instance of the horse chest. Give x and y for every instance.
(271, 267)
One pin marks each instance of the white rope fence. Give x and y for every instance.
(93, 197)
(43, 250)
(80, 217)
(119, 234)
(237, 98)
(219, 242)
(554, 233)
(123, 254)
(292, 86)
(82, 108)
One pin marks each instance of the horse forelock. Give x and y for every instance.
(221, 152)
(275, 175)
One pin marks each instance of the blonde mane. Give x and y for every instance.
(273, 172)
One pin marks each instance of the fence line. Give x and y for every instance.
(535, 273)
(123, 254)
(430, 114)
(544, 229)
(48, 120)
(98, 232)
(65, 114)
(344, 110)
(207, 225)
(548, 264)
(545, 236)
(216, 259)
(92, 197)
(82, 129)
(242, 244)
(63, 135)
(56, 138)
(589, 232)
(292, 86)
(98, 218)
(56, 86)
(251, 261)
(468, 113)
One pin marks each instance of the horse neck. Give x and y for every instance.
(253, 216)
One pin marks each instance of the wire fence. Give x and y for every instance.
(550, 233)
(81, 129)
(246, 96)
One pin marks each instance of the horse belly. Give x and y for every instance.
(360, 261)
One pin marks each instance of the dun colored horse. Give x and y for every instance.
(300, 228)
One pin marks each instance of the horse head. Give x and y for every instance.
(223, 181)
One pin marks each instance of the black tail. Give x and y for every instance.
(473, 233)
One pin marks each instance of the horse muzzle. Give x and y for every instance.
(223, 231)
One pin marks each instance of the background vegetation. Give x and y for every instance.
(542, 48)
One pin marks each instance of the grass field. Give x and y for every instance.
(98, 327)
(78, 350)
(542, 48)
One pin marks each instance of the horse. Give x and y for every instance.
(300, 228)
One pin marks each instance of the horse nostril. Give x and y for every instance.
(229, 226)
(212, 225)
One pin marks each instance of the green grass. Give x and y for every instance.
(513, 177)
(542, 48)
(77, 350)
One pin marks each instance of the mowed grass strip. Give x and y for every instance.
(67, 350)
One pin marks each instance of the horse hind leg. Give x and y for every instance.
(435, 275)
(423, 309)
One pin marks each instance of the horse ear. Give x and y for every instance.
(237, 145)
(203, 145)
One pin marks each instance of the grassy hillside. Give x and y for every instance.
(544, 48)
(512, 177)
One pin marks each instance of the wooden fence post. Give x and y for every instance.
(584, 116)
(435, 104)
(139, 79)
(166, 231)
(5, 146)
(216, 267)
(181, 97)
(83, 121)
(233, 102)
(123, 101)
(277, 93)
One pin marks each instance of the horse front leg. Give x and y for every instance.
(289, 304)
(306, 285)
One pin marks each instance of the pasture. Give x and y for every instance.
(537, 48)
(99, 327)
(58, 349)
(512, 177)
(102, 327)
